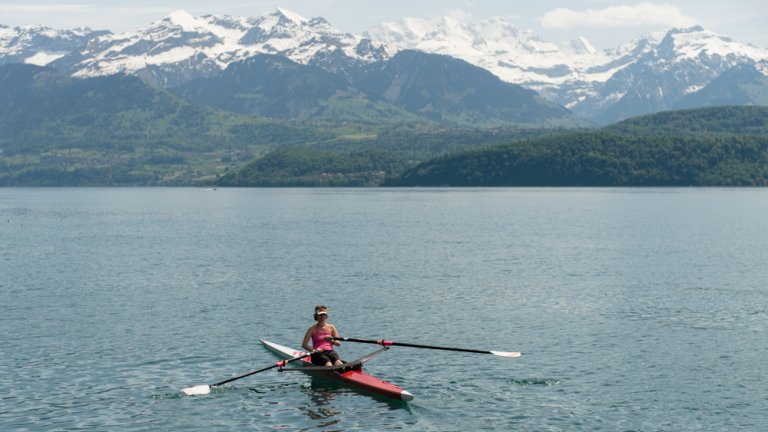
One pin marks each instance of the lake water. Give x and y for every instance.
(635, 309)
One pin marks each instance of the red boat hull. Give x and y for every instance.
(355, 377)
(361, 380)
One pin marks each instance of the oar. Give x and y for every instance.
(204, 389)
(390, 343)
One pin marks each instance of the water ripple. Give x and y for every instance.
(633, 310)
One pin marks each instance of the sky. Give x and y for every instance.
(606, 24)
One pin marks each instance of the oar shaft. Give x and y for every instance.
(440, 348)
(281, 363)
(390, 343)
(244, 375)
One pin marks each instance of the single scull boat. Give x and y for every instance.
(350, 373)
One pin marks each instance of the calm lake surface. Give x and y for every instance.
(635, 309)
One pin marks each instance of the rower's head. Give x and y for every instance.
(320, 311)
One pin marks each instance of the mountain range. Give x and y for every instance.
(646, 75)
(412, 86)
(650, 74)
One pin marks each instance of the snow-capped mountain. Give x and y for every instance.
(642, 76)
(41, 45)
(517, 56)
(181, 47)
(645, 75)
(744, 84)
(494, 44)
(683, 62)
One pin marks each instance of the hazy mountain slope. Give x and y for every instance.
(447, 89)
(274, 86)
(743, 84)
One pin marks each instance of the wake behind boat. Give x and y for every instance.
(350, 373)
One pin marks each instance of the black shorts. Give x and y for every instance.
(323, 357)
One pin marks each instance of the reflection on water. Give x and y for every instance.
(322, 399)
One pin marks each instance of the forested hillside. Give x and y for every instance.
(116, 130)
(309, 167)
(388, 152)
(708, 147)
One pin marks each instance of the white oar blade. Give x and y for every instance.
(506, 353)
(197, 390)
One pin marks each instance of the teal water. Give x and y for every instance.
(635, 309)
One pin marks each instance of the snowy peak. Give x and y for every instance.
(280, 24)
(182, 19)
(411, 33)
(655, 70)
(41, 45)
(684, 62)
(285, 14)
(637, 47)
(284, 24)
(515, 55)
(227, 22)
(692, 42)
(181, 47)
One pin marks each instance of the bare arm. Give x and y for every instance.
(335, 334)
(305, 343)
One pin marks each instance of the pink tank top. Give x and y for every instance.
(318, 341)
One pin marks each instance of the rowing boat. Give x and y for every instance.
(350, 373)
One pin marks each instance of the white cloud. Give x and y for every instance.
(42, 8)
(71, 15)
(642, 14)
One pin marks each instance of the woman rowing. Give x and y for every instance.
(321, 335)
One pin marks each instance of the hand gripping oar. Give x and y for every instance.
(390, 343)
(204, 389)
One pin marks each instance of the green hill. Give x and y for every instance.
(116, 130)
(709, 147)
(345, 160)
(723, 120)
(310, 167)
